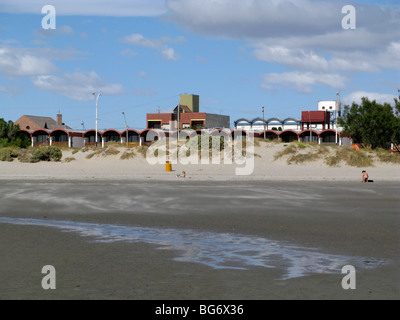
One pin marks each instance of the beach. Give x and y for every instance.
(122, 229)
(259, 165)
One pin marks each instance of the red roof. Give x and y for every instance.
(315, 116)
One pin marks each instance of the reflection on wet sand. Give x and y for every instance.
(216, 250)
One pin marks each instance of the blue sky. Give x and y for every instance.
(237, 55)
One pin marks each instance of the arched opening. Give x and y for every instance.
(111, 136)
(328, 136)
(269, 135)
(90, 137)
(308, 136)
(133, 136)
(288, 136)
(40, 137)
(238, 134)
(59, 138)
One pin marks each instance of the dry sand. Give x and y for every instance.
(265, 168)
(307, 206)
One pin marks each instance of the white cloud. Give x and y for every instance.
(255, 18)
(297, 58)
(301, 82)
(77, 86)
(157, 44)
(118, 8)
(21, 62)
(378, 97)
(304, 35)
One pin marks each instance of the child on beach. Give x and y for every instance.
(183, 175)
(364, 176)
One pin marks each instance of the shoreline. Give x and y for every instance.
(321, 217)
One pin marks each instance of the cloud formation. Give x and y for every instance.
(77, 86)
(301, 81)
(23, 62)
(378, 97)
(167, 52)
(305, 36)
(117, 8)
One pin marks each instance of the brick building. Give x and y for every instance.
(35, 123)
(189, 117)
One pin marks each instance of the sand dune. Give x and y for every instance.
(81, 164)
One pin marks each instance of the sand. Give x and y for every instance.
(307, 212)
(264, 167)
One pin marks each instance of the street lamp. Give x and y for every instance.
(263, 120)
(337, 107)
(127, 140)
(97, 98)
(309, 120)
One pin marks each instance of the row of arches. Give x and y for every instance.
(81, 138)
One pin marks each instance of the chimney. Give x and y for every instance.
(59, 119)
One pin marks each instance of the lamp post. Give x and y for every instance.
(127, 135)
(337, 107)
(309, 120)
(263, 120)
(97, 98)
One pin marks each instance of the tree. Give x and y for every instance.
(371, 123)
(10, 135)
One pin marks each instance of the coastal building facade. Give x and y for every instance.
(186, 115)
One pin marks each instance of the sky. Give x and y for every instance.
(237, 55)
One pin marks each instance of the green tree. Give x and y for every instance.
(396, 130)
(370, 123)
(10, 135)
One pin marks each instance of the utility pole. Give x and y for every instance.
(127, 134)
(336, 109)
(179, 121)
(97, 98)
(263, 120)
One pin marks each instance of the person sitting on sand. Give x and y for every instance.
(183, 175)
(364, 176)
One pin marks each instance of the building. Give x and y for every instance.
(319, 126)
(35, 123)
(46, 130)
(275, 124)
(188, 114)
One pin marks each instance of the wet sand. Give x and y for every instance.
(349, 220)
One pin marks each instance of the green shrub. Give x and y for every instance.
(290, 149)
(353, 158)
(47, 153)
(303, 157)
(128, 155)
(384, 155)
(8, 154)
